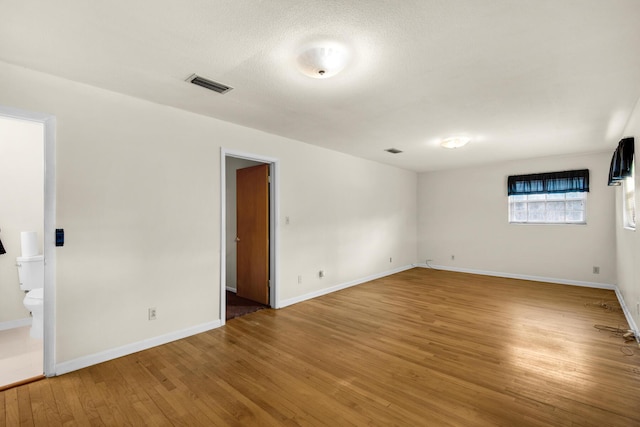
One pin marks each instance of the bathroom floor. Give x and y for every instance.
(21, 357)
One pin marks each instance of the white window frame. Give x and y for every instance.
(629, 200)
(548, 200)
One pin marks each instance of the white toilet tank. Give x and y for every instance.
(31, 272)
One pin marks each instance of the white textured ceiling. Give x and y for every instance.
(523, 78)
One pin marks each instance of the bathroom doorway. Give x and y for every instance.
(237, 298)
(26, 217)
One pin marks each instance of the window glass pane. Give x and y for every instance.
(575, 205)
(536, 216)
(555, 216)
(555, 196)
(629, 200)
(555, 206)
(575, 216)
(536, 206)
(519, 216)
(558, 208)
(575, 195)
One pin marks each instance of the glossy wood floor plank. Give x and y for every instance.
(422, 347)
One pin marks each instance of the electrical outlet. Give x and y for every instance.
(152, 313)
(390, 259)
(299, 279)
(321, 274)
(596, 269)
(453, 257)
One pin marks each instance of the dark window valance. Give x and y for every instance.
(621, 162)
(551, 182)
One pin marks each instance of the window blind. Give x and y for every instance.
(621, 162)
(549, 183)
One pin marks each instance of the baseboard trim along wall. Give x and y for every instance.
(103, 356)
(93, 359)
(18, 323)
(627, 314)
(625, 310)
(521, 276)
(325, 291)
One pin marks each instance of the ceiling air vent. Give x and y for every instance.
(393, 150)
(209, 84)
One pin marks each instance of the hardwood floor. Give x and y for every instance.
(422, 347)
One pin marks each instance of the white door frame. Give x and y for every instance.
(274, 241)
(49, 123)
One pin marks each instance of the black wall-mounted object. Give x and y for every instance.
(622, 161)
(59, 236)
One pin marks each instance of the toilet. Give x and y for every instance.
(31, 275)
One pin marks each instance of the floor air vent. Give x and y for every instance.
(393, 150)
(209, 84)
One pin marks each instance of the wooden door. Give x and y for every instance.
(252, 241)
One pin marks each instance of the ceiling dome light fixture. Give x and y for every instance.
(455, 142)
(322, 61)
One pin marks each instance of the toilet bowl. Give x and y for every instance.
(34, 302)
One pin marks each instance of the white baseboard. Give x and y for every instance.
(103, 356)
(627, 314)
(625, 309)
(93, 359)
(521, 276)
(110, 354)
(325, 291)
(17, 323)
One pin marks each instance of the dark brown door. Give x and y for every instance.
(252, 241)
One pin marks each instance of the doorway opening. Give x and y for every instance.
(249, 234)
(27, 261)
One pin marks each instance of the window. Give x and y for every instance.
(549, 198)
(629, 203)
(622, 172)
(556, 208)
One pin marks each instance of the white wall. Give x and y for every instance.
(138, 193)
(231, 166)
(346, 217)
(21, 205)
(628, 241)
(465, 213)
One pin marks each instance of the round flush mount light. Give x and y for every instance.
(323, 60)
(455, 142)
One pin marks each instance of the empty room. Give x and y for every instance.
(319, 213)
